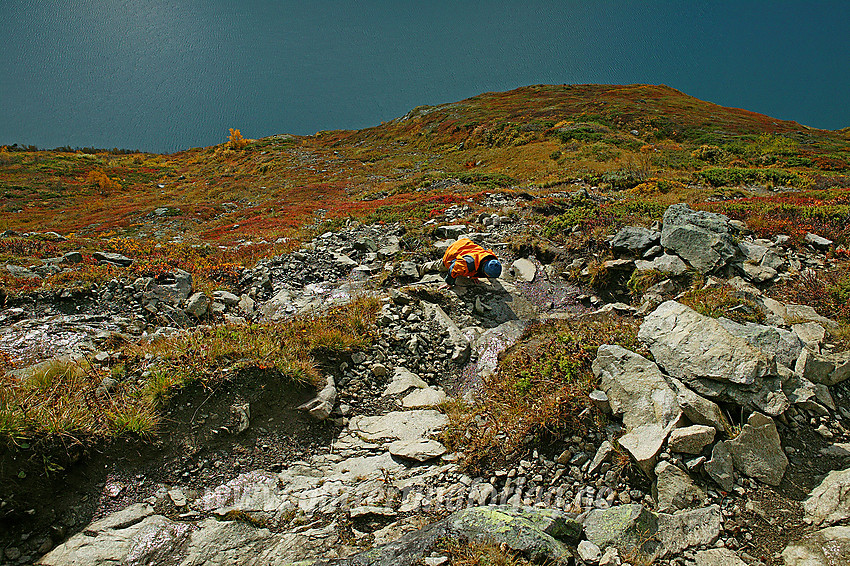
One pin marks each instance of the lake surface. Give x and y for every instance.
(166, 75)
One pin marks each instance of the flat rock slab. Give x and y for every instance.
(829, 502)
(403, 380)
(827, 547)
(690, 346)
(420, 450)
(688, 529)
(399, 425)
(159, 541)
(524, 270)
(538, 534)
(717, 557)
(426, 397)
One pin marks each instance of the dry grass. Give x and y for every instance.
(467, 553)
(289, 347)
(539, 392)
(723, 301)
(60, 398)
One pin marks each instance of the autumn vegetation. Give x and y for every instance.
(212, 211)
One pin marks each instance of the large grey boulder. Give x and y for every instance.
(826, 547)
(21, 272)
(783, 345)
(636, 388)
(113, 258)
(542, 535)
(690, 346)
(629, 528)
(674, 490)
(818, 242)
(688, 529)
(637, 391)
(757, 451)
(198, 305)
(174, 292)
(634, 240)
(703, 239)
(829, 502)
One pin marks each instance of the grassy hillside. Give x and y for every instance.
(645, 145)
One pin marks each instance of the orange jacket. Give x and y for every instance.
(463, 258)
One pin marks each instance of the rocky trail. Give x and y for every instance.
(734, 435)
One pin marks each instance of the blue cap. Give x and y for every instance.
(492, 268)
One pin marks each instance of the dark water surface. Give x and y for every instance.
(166, 75)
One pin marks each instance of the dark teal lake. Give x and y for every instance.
(167, 75)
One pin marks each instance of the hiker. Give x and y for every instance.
(465, 258)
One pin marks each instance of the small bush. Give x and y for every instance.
(540, 390)
(235, 140)
(102, 181)
(708, 153)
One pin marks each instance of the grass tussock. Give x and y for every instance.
(641, 281)
(65, 398)
(60, 398)
(539, 392)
